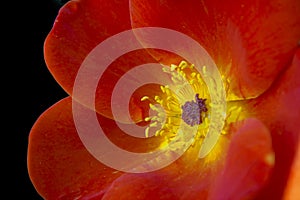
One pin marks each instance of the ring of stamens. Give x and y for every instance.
(168, 109)
(189, 105)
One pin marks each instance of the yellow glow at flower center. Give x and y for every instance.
(165, 115)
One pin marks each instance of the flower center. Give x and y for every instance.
(179, 102)
(192, 111)
(187, 99)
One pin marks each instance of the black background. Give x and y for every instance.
(30, 89)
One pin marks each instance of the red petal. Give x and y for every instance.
(79, 27)
(250, 41)
(125, 140)
(186, 178)
(59, 165)
(278, 109)
(248, 163)
(292, 190)
(245, 172)
(119, 68)
(141, 186)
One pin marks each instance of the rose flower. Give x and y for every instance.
(219, 124)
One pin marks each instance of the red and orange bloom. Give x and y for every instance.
(254, 44)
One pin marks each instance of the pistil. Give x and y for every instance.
(193, 111)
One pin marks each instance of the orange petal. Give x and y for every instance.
(278, 109)
(143, 187)
(292, 190)
(131, 139)
(249, 161)
(79, 27)
(186, 178)
(250, 41)
(59, 165)
(169, 184)
(133, 81)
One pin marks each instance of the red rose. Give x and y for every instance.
(255, 46)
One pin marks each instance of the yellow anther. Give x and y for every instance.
(156, 98)
(144, 98)
(223, 132)
(238, 113)
(169, 98)
(154, 118)
(159, 120)
(168, 91)
(168, 106)
(192, 81)
(154, 124)
(158, 133)
(199, 77)
(232, 108)
(147, 132)
(161, 115)
(204, 70)
(165, 69)
(147, 119)
(153, 107)
(177, 75)
(205, 123)
(162, 88)
(168, 126)
(174, 80)
(193, 74)
(182, 64)
(173, 67)
(182, 74)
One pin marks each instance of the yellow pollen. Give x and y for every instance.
(144, 98)
(162, 89)
(173, 67)
(154, 124)
(147, 132)
(204, 70)
(147, 119)
(183, 65)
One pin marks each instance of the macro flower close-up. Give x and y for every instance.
(169, 99)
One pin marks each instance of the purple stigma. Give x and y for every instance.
(192, 111)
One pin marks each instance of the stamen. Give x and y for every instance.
(144, 98)
(147, 132)
(180, 101)
(147, 119)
